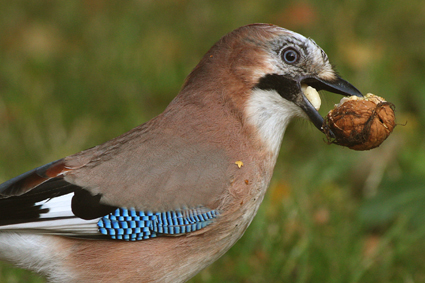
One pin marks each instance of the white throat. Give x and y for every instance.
(271, 114)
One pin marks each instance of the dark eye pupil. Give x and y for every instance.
(290, 56)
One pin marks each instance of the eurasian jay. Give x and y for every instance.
(166, 199)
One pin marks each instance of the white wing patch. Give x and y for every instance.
(58, 206)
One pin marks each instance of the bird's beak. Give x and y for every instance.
(337, 85)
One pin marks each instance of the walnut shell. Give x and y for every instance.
(360, 123)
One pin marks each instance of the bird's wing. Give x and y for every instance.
(40, 200)
(133, 174)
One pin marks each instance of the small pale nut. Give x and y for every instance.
(360, 123)
(312, 95)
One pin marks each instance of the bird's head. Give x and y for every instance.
(294, 63)
(267, 69)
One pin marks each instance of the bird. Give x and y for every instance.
(168, 198)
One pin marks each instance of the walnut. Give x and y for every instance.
(360, 123)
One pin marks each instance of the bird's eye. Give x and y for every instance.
(290, 56)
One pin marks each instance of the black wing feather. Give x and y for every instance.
(19, 196)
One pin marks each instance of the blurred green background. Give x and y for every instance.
(74, 74)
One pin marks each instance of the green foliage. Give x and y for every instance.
(74, 74)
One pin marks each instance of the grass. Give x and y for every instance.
(74, 74)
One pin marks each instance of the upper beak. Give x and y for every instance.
(337, 85)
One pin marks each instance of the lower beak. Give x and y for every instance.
(337, 85)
